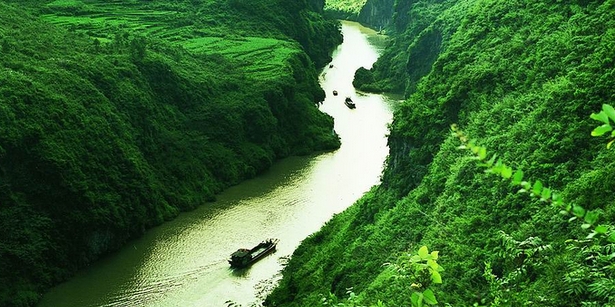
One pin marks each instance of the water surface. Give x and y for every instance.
(184, 262)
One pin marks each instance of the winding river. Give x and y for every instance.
(184, 262)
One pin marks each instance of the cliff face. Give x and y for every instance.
(416, 40)
(378, 14)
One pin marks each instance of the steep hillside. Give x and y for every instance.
(344, 9)
(377, 14)
(117, 116)
(522, 78)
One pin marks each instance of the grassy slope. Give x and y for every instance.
(121, 115)
(521, 77)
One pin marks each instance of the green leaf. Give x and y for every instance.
(473, 148)
(591, 217)
(600, 130)
(546, 194)
(482, 153)
(496, 169)
(611, 238)
(417, 299)
(507, 172)
(415, 259)
(423, 252)
(434, 255)
(600, 117)
(609, 110)
(608, 145)
(537, 188)
(432, 264)
(557, 199)
(492, 160)
(585, 226)
(601, 229)
(429, 297)
(578, 211)
(518, 177)
(436, 278)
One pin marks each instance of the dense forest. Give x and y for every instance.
(517, 201)
(117, 115)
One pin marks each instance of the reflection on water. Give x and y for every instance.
(184, 262)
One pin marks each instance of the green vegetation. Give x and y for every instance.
(115, 116)
(522, 78)
(344, 9)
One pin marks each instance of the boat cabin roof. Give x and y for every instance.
(242, 252)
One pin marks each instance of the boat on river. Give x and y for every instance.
(349, 103)
(244, 257)
(334, 93)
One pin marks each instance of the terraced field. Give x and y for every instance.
(118, 115)
(259, 56)
(103, 19)
(201, 30)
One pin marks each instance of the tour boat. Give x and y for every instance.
(244, 257)
(349, 103)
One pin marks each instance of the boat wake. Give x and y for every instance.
(149, 291)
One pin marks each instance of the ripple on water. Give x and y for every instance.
(183, 262)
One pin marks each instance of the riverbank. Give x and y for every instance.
(111, 125)
(184, 261)
(521, 79)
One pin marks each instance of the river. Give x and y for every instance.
(184, 262)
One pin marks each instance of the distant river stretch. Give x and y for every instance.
(183, 263)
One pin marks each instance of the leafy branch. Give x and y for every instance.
(424, 271)
(605, 116)
(536, 189)
(421, 269)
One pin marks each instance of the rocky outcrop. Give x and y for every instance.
(378, 14)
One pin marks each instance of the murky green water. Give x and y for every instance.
(184, 262)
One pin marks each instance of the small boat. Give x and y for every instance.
(330, 65)
(244, 257)
(349, 103)
(334, 93)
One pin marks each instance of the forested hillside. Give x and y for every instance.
(376, 14)
(520, 78)
(115, 116)
(344, 9)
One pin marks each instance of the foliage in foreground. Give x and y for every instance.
(114, 118)
(521, 77)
